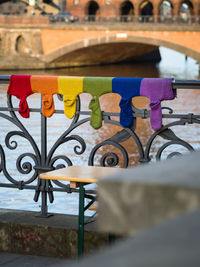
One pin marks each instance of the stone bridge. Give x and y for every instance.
(55, 46)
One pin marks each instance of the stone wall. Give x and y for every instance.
(20, 48)
(138, 198)
(56, 236)
(29, 21)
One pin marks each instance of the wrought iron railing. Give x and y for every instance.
(43, 159)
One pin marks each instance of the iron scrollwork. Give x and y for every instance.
(115, 153)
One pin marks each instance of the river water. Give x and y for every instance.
(173, 65)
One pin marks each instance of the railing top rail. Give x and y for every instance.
(4, 79)
(176, 84)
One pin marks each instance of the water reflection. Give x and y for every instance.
(176, 65)
(113, 70)
(172, 65)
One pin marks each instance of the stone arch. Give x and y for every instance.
(165, 11)
(21, 46)
(146, 11)
(71, 48)
(92, 10)
(186, 11)
(126, 10)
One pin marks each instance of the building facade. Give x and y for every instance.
(132, 7)
(104, 8)
(13, 8)
(31, 7)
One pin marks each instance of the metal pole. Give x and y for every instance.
(44, 207)
(176, 84)
(81, 221)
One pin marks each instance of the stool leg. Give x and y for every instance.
(111, 239)
(81, 221)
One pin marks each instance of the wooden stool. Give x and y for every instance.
(78, 176)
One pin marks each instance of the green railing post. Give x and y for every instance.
(81, 221)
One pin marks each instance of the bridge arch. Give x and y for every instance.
(65, 55)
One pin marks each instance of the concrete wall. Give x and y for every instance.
(139, 198)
